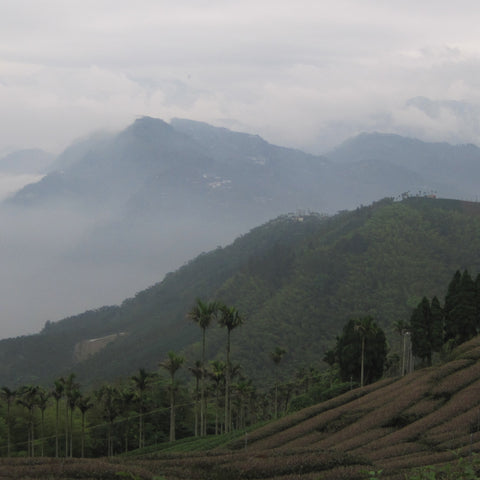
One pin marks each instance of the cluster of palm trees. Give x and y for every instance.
(204, 314)
(115, 403)
(35, 397)
(134, 412)
(113, 407)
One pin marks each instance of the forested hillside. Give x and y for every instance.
(116, 212)
(296, 280)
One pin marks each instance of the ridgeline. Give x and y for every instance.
(296, 280)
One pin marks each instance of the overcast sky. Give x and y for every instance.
(299, 73)
(306, 74)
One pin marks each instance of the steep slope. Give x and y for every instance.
(117, 211)
(121, 210)
(296, 280)
(426, 418)
(184, 167)
(429, 417)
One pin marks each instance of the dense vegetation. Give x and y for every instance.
(360, 351)
(421, 426)
(390, 426)
(435, 328)
(146, 408)
(68, 420)
(295, 280)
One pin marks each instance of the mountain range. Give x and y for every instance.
(116, 212)
(153, 165)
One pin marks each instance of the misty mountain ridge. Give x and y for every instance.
(117, 211)
(26, 161)
(187, 165)
(143, 166)
(295, 279)
(451, 170)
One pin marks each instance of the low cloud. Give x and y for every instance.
(291, 75)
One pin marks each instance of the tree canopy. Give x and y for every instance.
(361, 341)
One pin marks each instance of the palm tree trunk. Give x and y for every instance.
(29, 443)
(9, 426)
(110, 441)
(8, 438)
(66, 429)
(71, 432)
(172, 413)
(82, 453)
(227, 386)
(363, 361)
(43, 433)
(203, 426)
(216, 410)
(140, 428)
(56, 428)
(32, 436)
(276, 394)
(196, 410)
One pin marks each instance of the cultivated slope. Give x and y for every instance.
(425, 418)
(429, 417)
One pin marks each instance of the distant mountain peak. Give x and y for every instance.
(147, 126)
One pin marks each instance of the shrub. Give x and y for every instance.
(302, 401)
(337, 390)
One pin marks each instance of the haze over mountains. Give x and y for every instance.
(295, 279)
(115, 212)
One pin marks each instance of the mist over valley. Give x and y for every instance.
(113, 213)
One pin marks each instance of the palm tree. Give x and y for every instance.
(127, 398)
(172, 364)
(57, 394)
(84, 404)
(244, 390)
(277, 356)
(70, 388)
(202, 314)
(142, 382)
(110, 400)
(366, 327)
(196, 371)
(217, 374)
(9, 396)
(28, 399)
(42, 401)
(230, 318)
(72, 403)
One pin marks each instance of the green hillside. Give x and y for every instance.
(408, 428)
(296, 280)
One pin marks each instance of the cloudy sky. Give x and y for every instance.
(303, 73)
(299, 73)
